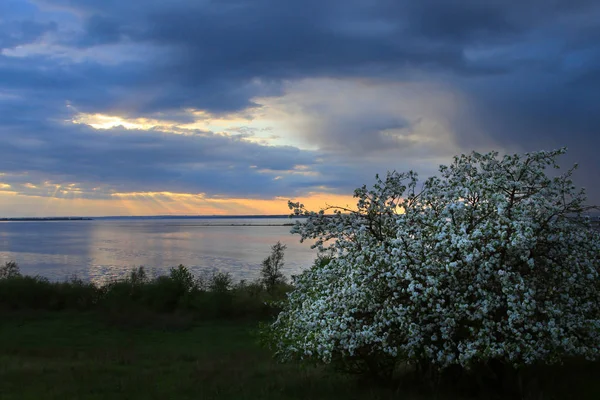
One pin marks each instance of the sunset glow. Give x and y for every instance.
(67, 202)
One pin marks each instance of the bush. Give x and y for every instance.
(254, 301)
(162, 294)
(184, 279)
(220, 282)
(493, 264)
(10, 269)
(137, 297)
(26, 292)
(18, 292)
(75, 294)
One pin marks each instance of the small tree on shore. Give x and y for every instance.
(271, 274)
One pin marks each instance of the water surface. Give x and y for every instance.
(103, 249)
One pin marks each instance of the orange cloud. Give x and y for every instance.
(158, 203)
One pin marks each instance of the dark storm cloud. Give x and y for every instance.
(102, 30)
(16, 33)
(530, 70)
(215, 51)
(545, 113)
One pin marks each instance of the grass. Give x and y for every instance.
(81, 356)
(75, 355)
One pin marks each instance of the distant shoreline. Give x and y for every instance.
(36, 219)
(279, 216)
(149, 217)
(158, 218)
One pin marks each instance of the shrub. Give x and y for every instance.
(271, 274)
(250, 300)
(491, 264)
(19, 292)
(160, 294)
(220, 282)
(25, 292)
(137, 297)
(137, 276)
(219, 295)
(184, 279)
(10, 269)
(75, 294)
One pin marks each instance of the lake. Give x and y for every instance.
(103, 249)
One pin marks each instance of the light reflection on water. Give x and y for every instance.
(101, 250)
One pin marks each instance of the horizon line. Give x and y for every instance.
(159, 216)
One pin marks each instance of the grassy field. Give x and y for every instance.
(66, 355)
(82, 356)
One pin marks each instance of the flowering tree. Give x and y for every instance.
(492, 260)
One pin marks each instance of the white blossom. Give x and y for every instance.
(490, 260)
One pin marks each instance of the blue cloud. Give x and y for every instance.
(529, 70)
(17, 33)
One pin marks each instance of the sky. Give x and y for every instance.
(146, 107)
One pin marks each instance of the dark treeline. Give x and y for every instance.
(209, 296)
